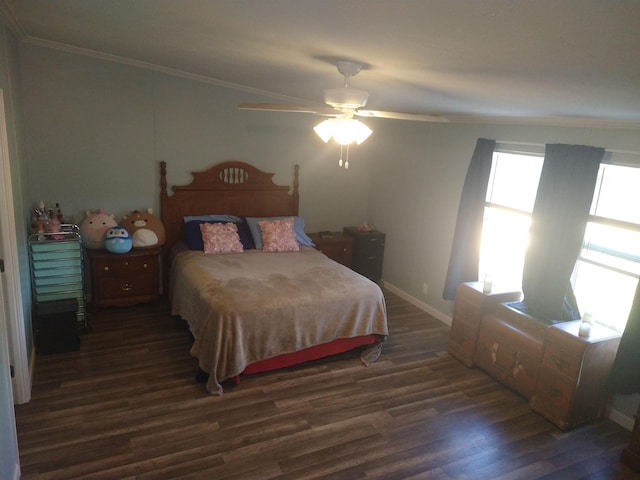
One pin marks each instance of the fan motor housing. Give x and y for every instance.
(346, 97)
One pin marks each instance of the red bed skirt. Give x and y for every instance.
(312, 353)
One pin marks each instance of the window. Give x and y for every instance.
(607, 271)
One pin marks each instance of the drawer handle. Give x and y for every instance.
(554, 392)
(560, 363)
(144, 265)
(106, 269)
(126, 287)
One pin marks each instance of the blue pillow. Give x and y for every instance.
(298, 227)
(193, 235)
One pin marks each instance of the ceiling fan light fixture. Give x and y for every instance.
(343, 130)
(325, 130)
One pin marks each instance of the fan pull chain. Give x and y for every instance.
(346, 160)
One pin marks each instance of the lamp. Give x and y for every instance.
(344, 130)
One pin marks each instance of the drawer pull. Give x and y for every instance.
(126, 287)
(106, 268)
(554, 392)
(560, 363)
(144, 265)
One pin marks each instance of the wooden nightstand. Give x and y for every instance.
(120, 279)
(470, 306)
(574, 369)
(339, 247)
(368, 252)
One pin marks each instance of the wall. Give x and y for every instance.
(97, 130)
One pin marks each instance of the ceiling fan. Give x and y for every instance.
(343, 101)
(342, 104)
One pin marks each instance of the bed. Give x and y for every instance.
(250, 310)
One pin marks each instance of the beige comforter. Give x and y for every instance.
(246, 307)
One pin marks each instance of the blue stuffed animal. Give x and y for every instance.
(117, 240)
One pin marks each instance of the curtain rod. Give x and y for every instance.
(531, 144)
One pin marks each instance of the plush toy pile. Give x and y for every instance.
(139, 229)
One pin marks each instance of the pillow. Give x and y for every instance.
(193, 234)
(278, 236)
(298, 227)
(220, 238)
(212, 218)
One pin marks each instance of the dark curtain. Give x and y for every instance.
(558, 222)
(625, 373)
(465, 251)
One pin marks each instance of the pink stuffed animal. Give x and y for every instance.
(53, 227)
(94, 227)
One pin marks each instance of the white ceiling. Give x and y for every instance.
(564, 62)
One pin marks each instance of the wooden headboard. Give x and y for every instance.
(233, 187)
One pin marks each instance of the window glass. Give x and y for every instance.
(606, 273)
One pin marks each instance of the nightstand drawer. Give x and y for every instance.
(120, 279)
(123, 287)
(125, 267)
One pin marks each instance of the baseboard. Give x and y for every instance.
(417, 303)
(621, 419)
(614, 415)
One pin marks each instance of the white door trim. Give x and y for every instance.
(9, 251)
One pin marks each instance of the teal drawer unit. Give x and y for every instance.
(57, 269)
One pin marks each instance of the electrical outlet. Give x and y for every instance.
(425, 288)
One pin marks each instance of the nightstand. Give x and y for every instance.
(120, 279)
(368, 252)
(338, 247)
(574, 369)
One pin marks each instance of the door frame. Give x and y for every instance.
(21, 381)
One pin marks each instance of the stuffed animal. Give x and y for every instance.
(94, 227)
(117, 240)
(53, 227)
(146, 229)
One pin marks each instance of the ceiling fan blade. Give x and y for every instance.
(280, 107)
(416, 117)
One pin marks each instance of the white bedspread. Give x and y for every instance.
(246, 307)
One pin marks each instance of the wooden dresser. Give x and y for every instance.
(120, 279)
(570, 388)
(368, 252)
(338, 246)
(470, 306)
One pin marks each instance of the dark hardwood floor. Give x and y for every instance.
(126, 407)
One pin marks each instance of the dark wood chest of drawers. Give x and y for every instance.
(120, 279)
(470, 306)
(368, 252)
(574, 370)
(338, 247)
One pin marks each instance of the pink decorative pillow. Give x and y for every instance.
(278, 236)
(221, 238)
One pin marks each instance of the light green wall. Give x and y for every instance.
(96, 131)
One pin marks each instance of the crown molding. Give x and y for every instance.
(87, 52)
(10, 20)
(559, 121)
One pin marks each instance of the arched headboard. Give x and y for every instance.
(233, 187)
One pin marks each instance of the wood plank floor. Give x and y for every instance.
(126, 407)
